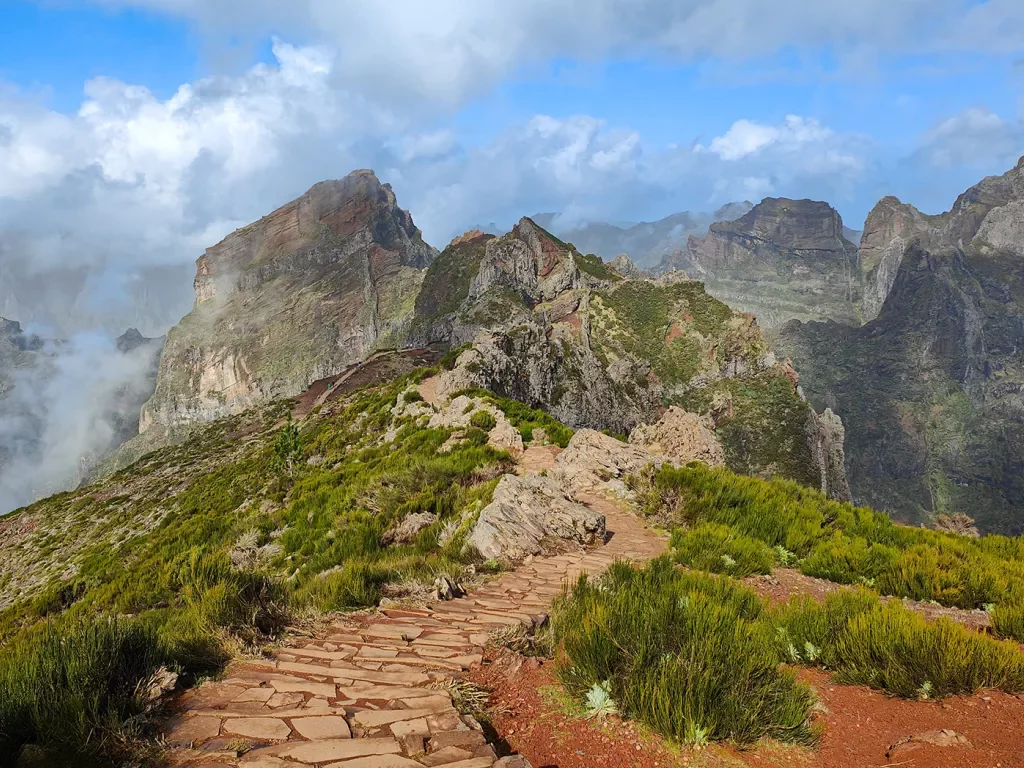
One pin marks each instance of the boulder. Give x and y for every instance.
(593, 460)
(681, 437)
(531, 515)
(407, 530)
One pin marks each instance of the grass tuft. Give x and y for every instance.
(685, 653)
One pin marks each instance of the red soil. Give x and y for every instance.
(862, 728)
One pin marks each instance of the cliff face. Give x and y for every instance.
(545, 325)
(316, 285)
(783, 259)
(932, 390)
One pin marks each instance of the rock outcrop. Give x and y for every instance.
(783, 259)
(549, 327)
(931, 391)
(595, 461)
(532, 514)
(627, 268)
(316, 285)
(682, 437)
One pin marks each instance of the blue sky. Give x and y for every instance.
(200, 115)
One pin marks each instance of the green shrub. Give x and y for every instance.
(595, 266)
(77, 689)
(688, 654)
(846, 560)
(889, 647)
(483, 420)
(412, 396)
(719, 549)
(1008, 620)
(833, 540)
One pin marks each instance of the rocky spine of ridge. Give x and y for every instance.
(314, 286)
(783, 259)
(543, 324)
(932, 389)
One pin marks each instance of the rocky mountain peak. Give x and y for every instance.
(312, 287)
(9, 327)
(795, 224)
(780, 260)
(130, 340)
(931, 387)
(357, 209)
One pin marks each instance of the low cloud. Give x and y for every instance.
(63, 413)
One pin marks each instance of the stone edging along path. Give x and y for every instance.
(365, 692)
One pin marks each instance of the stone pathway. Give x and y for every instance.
(368, 691)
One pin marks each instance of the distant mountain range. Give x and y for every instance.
(646, 243)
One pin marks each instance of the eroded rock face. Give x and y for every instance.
(783, 259)
(931, 392)
(530, 515)
(314, 286)
(827, 437)
(682, 437)
(612, 353)
(889, 229)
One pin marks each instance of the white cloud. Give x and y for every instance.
(974, 138)
(795, 134)
(131, 180)
(588, 170)
(447, 51)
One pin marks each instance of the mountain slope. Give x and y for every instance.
(555, 329)
(312, 287)
(783, 259)
(932, 389)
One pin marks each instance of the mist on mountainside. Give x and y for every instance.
(64, 405)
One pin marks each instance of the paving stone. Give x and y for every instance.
(285, 700)
(340, 749)
(185, 731)
(405, 728)
(387, 693)
(322, 727)
(255, 694)
(369, 719)
(370, 652)
(298, 685)
(402, 631)
(266, 761)
(258, 728)
(446, 756)
(470, 739)
(473, 762)
(445, 721)
(379, 761)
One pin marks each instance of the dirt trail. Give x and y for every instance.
(364, 692)
(381, 366)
